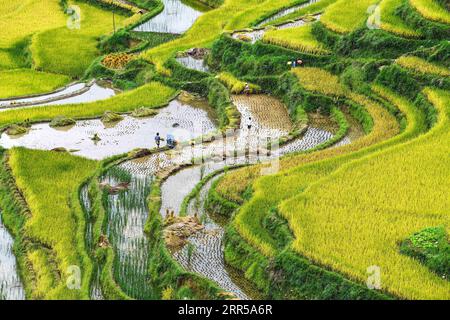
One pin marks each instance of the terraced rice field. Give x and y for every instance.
(218, 150)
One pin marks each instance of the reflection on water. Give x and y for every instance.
(177, 17)
(10, 285)
(81, 94)
(127, 214)
(287, 11)
(69, 90)
(180, 119)
(194, 64)
(95, 93)
(258, 34)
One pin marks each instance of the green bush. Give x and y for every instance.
(432, 248)
(399, 80)
(319, 31)
(378, 44)
(294, 277)
(437, 54)
(244, 59)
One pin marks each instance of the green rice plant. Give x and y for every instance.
(8, 60)
(299, 38)
(53, 222)
(319, 80)
(20, 19)
(234, 184)
(71, 51)
(130, 263)
(235, 85)
(422, 66)
(319, 164)
(355, 217)
(269, 191)
(22, 82)
(45, 277)
(391, 22)
(345, 16)
(431, 10)
(125, 102)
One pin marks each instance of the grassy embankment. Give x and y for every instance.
(19, 21)
(55, 225)
(299, 38)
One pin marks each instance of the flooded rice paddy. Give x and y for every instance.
(287, 11)
(204, 252)
(177, 118)
(193, 63)
(258, 33)
(176, 18)
(76, 93)
(127, 213)
(10, 285)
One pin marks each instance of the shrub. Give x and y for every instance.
(430, 246)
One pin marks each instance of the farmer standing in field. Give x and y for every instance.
(158, 140)
(247, 89)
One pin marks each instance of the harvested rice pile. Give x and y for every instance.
(117, 60)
